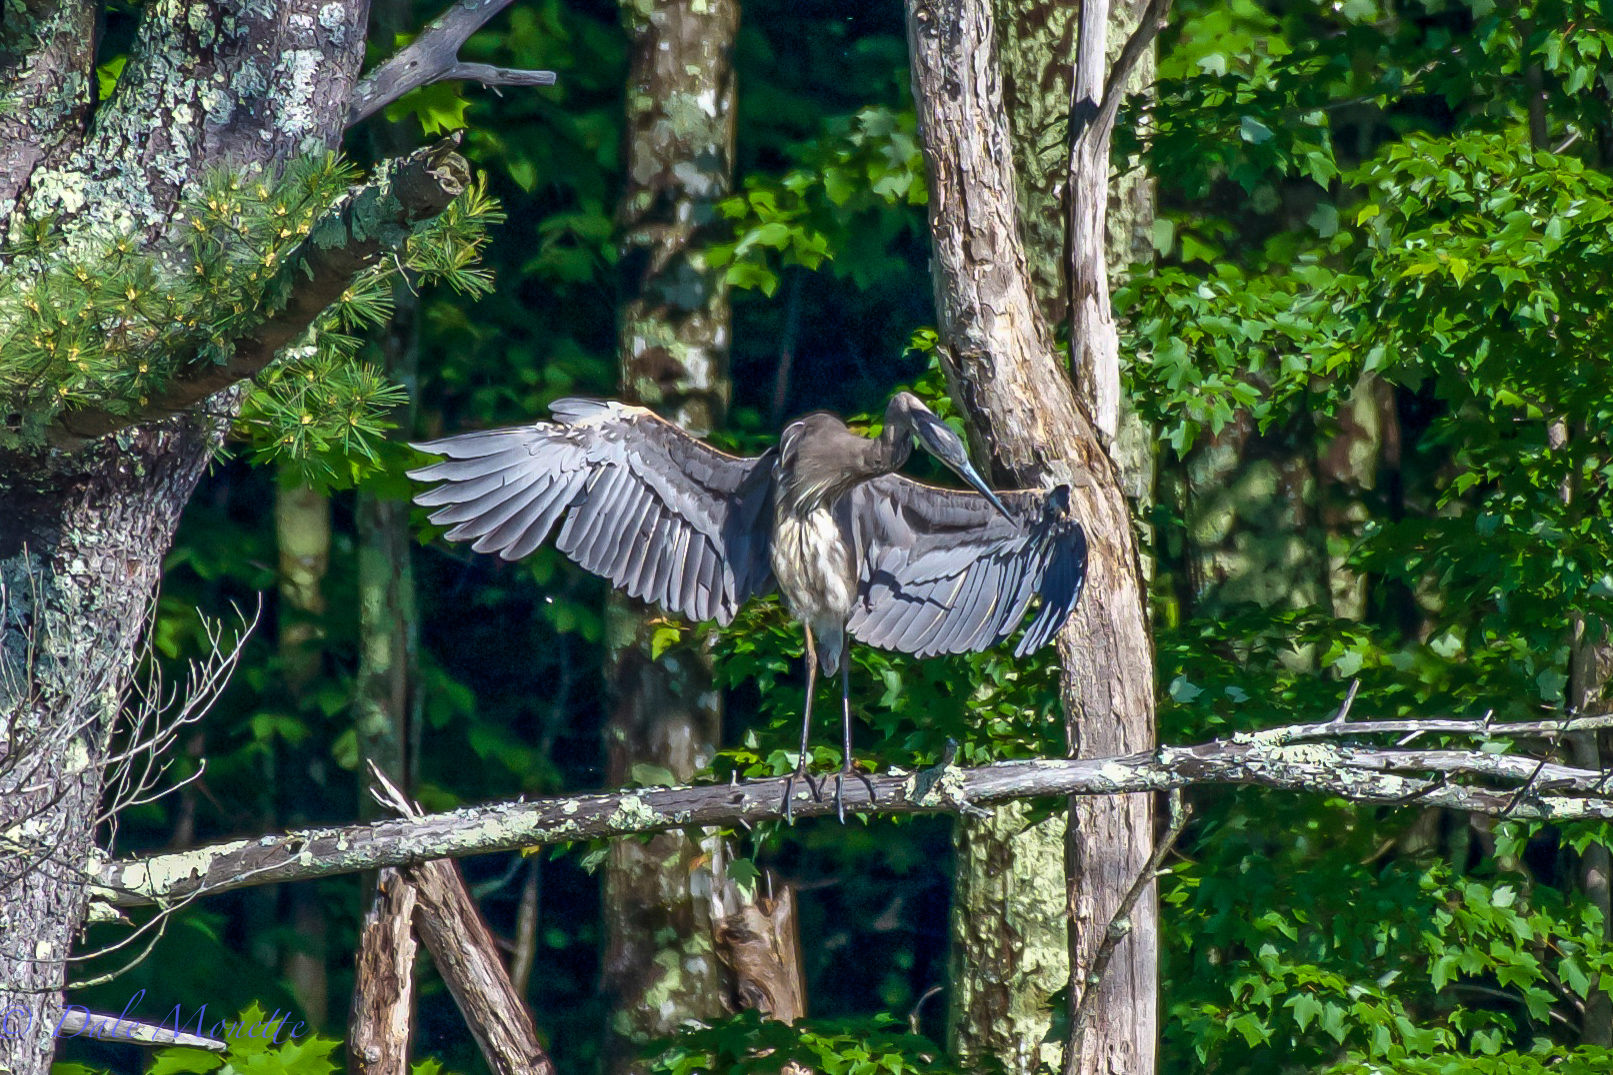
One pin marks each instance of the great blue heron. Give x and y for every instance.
(851, 545)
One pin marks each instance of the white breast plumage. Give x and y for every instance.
(814, 569)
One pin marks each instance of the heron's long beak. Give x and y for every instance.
(939, 440)
(967, 472)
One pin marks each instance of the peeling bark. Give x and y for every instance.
(381, 1024)
(1009, 953)
(1003, 368)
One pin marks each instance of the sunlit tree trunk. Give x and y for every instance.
(1009, 925)
(661, 966)
(82, 534)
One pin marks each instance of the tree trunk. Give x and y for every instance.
(81, 550)
(82, 536)
(302, 529)
(1003, 368)
(1009, 947)
(661, 967)
(386, 695)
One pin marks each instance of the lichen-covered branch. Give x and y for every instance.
(434, 57)
(374, 218)
(1461, 780)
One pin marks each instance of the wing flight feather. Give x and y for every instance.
(659, 513)
(941, 571)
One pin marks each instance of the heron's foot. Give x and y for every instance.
(805, 777)
(847, 770)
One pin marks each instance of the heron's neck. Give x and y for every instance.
(894, 444)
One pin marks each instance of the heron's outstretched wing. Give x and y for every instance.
(942, 571)
(660, 514)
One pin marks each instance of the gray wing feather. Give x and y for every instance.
(940, 571)
(658, 513)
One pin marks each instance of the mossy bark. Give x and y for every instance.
(82, 535)
(661, 966)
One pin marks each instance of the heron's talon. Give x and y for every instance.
(816, 787)
(840, 789)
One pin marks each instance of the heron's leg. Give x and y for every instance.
(806, 734)
(846, 767)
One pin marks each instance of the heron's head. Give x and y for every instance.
(939, 440)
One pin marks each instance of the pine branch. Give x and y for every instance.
(372, 220)
(434, 57)
(1495, 785)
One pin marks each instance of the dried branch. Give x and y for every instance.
(379, 1028)
(1098, 122)
(361, 228)
(1269, 759)
(434, 57)
(104, 1027)
(461, 946)
(1120, 923)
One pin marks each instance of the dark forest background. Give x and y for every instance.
(1371, 340)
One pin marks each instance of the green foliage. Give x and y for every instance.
(322, 409)
(91, 322)
(831, 201)
(255, 1048)
(102, 322)
(747, 1044)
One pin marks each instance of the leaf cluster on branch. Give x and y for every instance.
(107, 326)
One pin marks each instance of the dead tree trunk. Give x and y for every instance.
(1010, 938)
(1004, 369)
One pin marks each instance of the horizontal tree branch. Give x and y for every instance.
(102, 1026)
(1278, 758)
(434, 57)
(370, 220)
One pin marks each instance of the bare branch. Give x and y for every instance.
(1120, 924)
(379, 1030)
(462, 948)
(372, 219)
(434, 57)
(1114, 86)
(1271, 759)
(103, 1027)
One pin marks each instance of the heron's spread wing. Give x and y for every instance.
(941, 571)
(660, 514)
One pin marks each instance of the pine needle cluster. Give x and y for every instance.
(106, 322)
(322, 400)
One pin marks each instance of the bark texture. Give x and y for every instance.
(1009, 949)
(462, 948)
(661, 966)
(1004, 370)
(381, 1024)
(1010, 937)
(82, 536)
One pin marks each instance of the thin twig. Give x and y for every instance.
(1119, 927)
